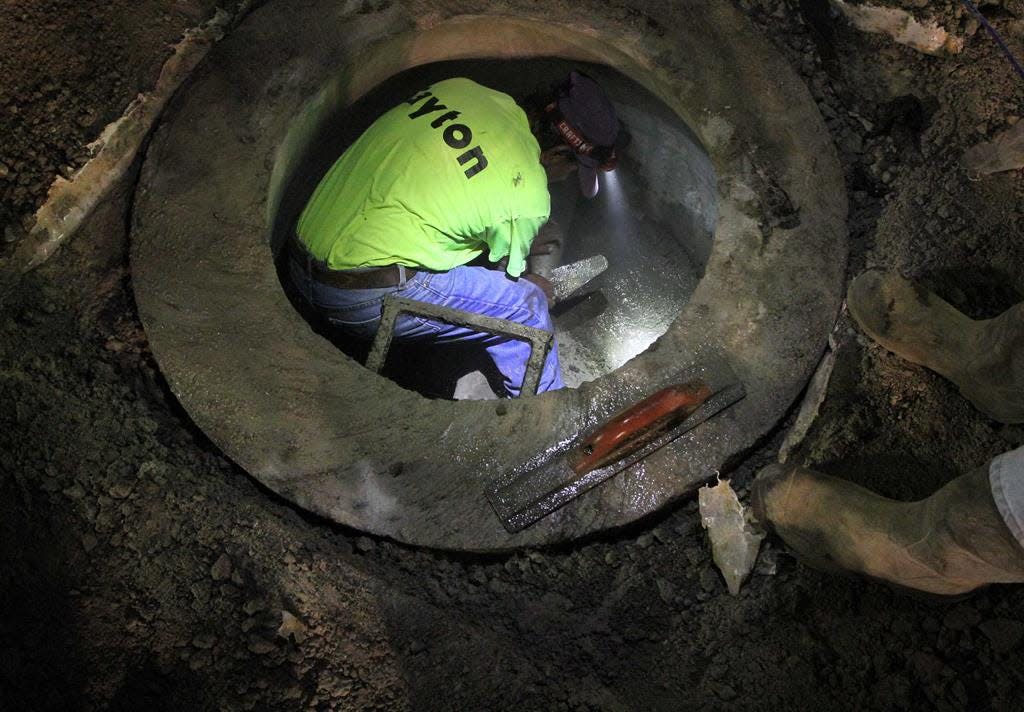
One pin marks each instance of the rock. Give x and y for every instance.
(904, 28)
(221, 569)
(292, 627)
(89, 542)
(252, 606)
(204, 641)
(259, 646)
(153, 469)
(75, 491)
(365, 545)
(734, 543)
(927, 666)
(120, 490)
(1005, 152)
(200, 659)
(810, 406)
(645, 540)
(1004, 634)
(724, 692)
(961, 618)
(708, 580)
(201, 593)
(666, 590)
(693, 554)
(767, 562)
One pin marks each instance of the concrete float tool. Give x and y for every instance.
(568, 280)
(619, 443)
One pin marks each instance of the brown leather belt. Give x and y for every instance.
(373, 278)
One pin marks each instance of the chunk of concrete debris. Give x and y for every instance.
(734, 542)
(291, 626)
(810, 407)
(1003, 153)
(926, 36)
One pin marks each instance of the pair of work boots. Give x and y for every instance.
(955, 540)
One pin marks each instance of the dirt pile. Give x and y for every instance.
(69, 69)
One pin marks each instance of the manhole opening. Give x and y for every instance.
(653, 220)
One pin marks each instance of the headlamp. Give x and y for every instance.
(604, 156)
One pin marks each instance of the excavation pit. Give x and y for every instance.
(314, 425)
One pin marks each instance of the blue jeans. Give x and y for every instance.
(480, 290)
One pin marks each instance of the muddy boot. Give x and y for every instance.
(948, 544)
(985, 359)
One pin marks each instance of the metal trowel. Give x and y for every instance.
(617, 444)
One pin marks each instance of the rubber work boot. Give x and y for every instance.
(985, 359)
(948, 544)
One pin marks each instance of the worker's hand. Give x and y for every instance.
(548, 240)
(544, 284)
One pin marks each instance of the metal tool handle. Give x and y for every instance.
(628, 431)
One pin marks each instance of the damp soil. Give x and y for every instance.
(145, 570)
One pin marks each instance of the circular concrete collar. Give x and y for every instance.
(324, 432)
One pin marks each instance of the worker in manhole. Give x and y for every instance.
(967, 534)
(455, 175)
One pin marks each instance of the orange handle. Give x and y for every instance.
(636, 426)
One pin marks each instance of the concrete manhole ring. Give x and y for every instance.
(325, 433)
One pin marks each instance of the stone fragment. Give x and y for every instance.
(810, 407)
(645, 540)
(204, 641)
(221, 569)
(1004, 634)
(291, 626)
(1005, 152)
(734, 542)
(201, 593)
(120, 490)
(961, 618)
(200, 660)
(708, 580)
(259, 646)
(252, 606)
(75, 491)
(904, 28)
(666, 590)
(724, 692)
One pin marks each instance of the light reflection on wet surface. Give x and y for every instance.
(649, 278)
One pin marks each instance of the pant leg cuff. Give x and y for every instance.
(1006, 477)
